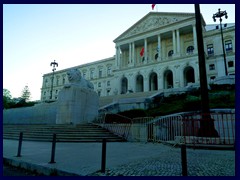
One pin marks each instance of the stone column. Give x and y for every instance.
(117, 85)
(177, 73)
(181, 77)
(160, 80)
(124, 58)
(146, 83)
(159, 48)
(130, 54)
(145, 51)
(133, 54)
(195, 39)
(117, 57)
(178, 42)
(174, 42)
(131, 82)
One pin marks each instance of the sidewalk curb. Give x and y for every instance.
(37, 168)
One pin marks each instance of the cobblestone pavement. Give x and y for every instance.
(9, 170)
(199, 163)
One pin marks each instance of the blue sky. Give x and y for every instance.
(35, 35)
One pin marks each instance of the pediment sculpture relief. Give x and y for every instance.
(150, 23)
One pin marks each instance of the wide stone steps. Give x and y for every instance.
(105, 100)
(64, 133)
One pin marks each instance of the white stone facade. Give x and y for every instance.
(170, 58)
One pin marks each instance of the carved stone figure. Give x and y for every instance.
(75, 79)
(77, 101)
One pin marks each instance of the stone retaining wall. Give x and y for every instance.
(44, 113)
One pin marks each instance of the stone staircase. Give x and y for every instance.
(64, 133)
(103, 101)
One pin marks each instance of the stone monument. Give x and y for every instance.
(77, 102)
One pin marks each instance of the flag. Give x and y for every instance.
(153, 5)
(142, 52)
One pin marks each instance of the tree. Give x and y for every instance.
(26, 94)
(6, 98)
(7, 93)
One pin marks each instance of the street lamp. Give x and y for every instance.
(53, 64)
(207, 128)
(219, 15)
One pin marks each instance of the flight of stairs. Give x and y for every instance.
(64, 133)
(105, 100)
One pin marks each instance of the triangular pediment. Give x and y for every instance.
(154, 20)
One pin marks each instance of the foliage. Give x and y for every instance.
(222, 99)
(222, 87)
(26, 94)
(8, 102)
(192, 102)
(6, 98)
(134, 113)
(7, 93)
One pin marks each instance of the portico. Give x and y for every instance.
(166, 40)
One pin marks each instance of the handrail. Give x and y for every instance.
(116, 127)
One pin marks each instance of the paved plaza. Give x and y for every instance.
(122, 159)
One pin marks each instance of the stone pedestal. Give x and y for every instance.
(77, 105)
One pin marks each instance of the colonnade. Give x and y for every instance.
(130, 56)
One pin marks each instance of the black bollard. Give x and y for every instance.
(20, 144)
(103, 168)
(53, 149)
(184, 159)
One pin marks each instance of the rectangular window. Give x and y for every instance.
(211, 67)
(230, 64)
(46, 83)
(210, 49)
(228, 45)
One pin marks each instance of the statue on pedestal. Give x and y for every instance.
(77, 101)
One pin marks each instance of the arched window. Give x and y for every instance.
(109, 70)
(190, 49)
(57, 83)
(170, 53)
(91, 74)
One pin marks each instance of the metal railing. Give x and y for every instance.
(191, 128)
(115, 123)
(213, 128)
(159, 129)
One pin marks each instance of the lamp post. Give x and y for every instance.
(207, 128)
(219, 15)
(53, 64)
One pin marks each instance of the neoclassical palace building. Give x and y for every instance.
(156, 53)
